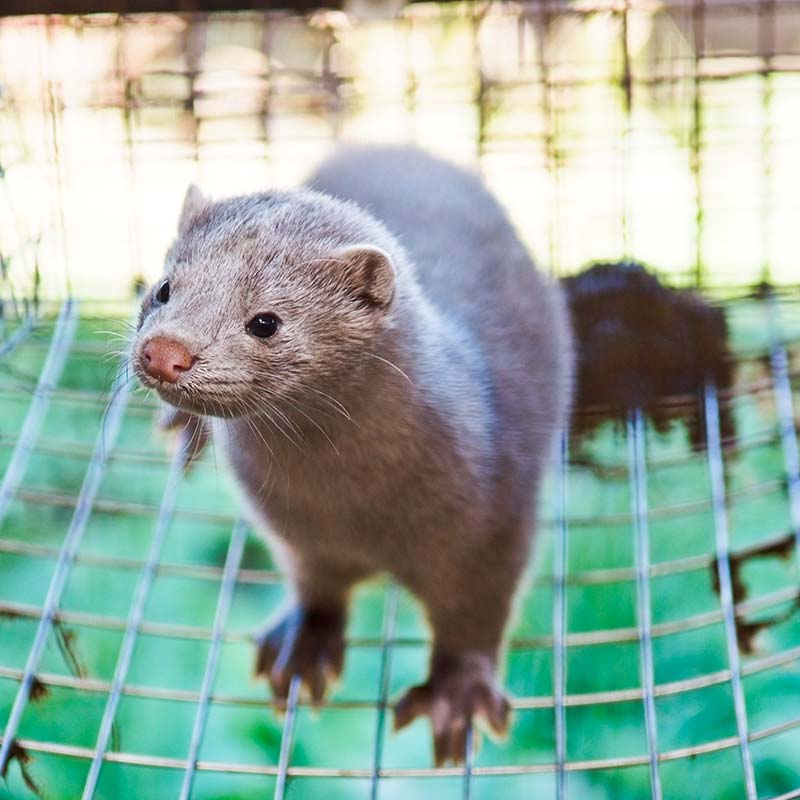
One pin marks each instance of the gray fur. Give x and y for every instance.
(400, 418)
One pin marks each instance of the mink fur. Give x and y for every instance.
(399, 419)
(639, 343)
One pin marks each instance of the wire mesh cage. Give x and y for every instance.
(655, 648)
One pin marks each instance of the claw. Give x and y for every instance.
(414, 703)
(305, 643)
(452, 698)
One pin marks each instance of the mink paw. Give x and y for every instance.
(304, 642)
(456, 691)
(193, 432)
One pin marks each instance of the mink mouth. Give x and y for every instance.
(189, 399)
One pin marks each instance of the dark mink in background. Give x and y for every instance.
(638, 343)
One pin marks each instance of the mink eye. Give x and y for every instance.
(162, 293)
(263, 325)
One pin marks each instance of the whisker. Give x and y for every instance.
(392, 365)
(315, 424)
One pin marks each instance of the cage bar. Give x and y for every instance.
(227, 588)
(588, 765)
(284, 771)
(98, 686)
(51, 371)
(560, 616)
(781, 380)
(83, 509)
(575, 639)
(716, 470)
(135, 620)
(638, 476)
(384, 679)
(469, 762)
(21, 333)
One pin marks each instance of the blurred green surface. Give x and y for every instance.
(247, 732)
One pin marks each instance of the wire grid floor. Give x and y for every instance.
(50, 630)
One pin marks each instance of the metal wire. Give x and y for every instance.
(592, 577)
(779, 597)
(469, 762)
(638, 466)
(578, 524)
(83, 508)
(785, 408)
(561, 699)
(753, 667)
(287, 739)
(717, 474)
(20, 335)
(384, 679)
(51, 371)
(227, 588)
(560, 555)
(135, 620)
(283, 771)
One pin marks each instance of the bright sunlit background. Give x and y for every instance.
(105, 120)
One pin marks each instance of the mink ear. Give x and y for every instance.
(193, 203)
(368, 273)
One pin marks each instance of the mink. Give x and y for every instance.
(638, 343)
(386, 371)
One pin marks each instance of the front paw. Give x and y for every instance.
(193, 432)
(457, 690)
(304, 642)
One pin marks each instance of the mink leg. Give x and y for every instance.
(462, 682)
(307, 636)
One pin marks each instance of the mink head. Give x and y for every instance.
(265, 298)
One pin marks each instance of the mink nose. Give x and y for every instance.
(166, 359)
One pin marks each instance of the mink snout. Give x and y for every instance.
(166, 359)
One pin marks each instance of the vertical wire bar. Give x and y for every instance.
(135, 616)
(286, 738)
(469, 762)
(637, 466)
(19, 335)
(782, 390)
(387, 642)
(560, 553)
(80, 517)
(48, 380)
(227, 586)
(717, 475)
